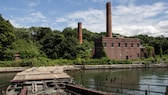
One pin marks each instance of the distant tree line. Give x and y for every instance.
(160, 44)
(54, 44)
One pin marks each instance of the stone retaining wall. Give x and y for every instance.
(120, 66)
(90, 67)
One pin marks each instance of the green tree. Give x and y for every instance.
(6, 37)
(156, 42)
(71, 49)
(39, 32)
(27, 49)
(68, 48)
(84, 51)
(150, 51)
(161, 52)
(22, 33)
(88, 35)
(51, 43)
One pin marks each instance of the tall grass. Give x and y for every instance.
(42, 61)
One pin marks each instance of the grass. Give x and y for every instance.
(42, 61)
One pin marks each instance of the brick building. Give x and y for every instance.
(118, 48)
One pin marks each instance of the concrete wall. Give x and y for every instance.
(120, 66)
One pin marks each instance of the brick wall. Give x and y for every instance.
(118, 48)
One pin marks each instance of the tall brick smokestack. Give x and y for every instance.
(108, 20)
(80, 33)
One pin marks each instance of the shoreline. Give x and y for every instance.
(123, 66)
(91, 67)
(12, 69)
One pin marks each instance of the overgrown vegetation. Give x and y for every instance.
(41, 46)
(42, 61)
(157, 59)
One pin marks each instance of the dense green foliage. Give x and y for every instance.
(37, 42)
(6, 37)
(41, 61)
(160, 44)
(42, 46)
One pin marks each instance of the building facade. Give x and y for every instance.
(118, 48)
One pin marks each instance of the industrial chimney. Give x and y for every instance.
(108, 20)
(80, 32)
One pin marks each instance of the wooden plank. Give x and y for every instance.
(40, 73)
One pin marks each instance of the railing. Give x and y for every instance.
(127, 88)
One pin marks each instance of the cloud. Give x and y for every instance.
(15, 23)
(60, 20)
(99, 0)
(91, 19)
(32, 4)
(136, 30)
(73, 2)
(128, 19)
(122, 2)
(166, 12)
(32, 17)
(153, 30)
(162, 26)
(35, 18)
(143, 14)
(145, 19)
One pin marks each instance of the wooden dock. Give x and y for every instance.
(47, 81)
(41, 73)
(40, 81)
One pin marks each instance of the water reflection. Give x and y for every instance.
(4, 80)
(131, 80)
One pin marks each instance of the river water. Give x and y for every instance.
(151, 81)
(4, 80)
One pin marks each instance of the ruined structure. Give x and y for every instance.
(108, 20)
(118, 48)
(80, 38)
(17, 56)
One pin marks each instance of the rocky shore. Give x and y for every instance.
(92, 67)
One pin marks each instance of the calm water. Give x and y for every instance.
(4, 80)
(154, 79)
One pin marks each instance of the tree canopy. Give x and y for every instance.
(160, 44)
(43, 41)
(6, 36)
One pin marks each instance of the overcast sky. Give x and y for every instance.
(129, 17)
